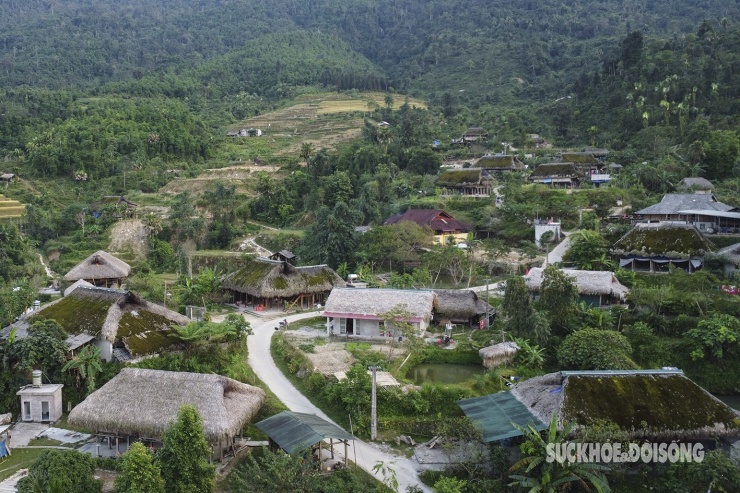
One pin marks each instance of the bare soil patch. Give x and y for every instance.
(129, 235)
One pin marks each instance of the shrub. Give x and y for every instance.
(71, 470)
(594, 349)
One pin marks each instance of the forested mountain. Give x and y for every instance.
(491, 50)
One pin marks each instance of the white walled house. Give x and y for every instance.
(358, 312)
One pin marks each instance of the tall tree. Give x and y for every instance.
(522, 318)
(184, 455)
(139, 472)
(559, 297)
(332, 238)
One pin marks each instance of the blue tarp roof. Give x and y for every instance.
(294, 432)
(496, 414)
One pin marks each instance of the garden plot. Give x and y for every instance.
(331, 358)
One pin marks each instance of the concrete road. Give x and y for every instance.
(365, 455)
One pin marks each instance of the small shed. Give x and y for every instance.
(41, 403)
(296, 432)
(498, 354)
(460, 306)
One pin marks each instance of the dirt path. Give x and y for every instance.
(365, 455)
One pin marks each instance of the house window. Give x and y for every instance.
(26, 411)
(342, 325)
(44, 410)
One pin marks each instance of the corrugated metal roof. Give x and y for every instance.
(672, 203)
(294, 432)
(727, 215)
(496, 414)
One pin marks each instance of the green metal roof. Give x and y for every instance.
(496, 414)
(297, 431)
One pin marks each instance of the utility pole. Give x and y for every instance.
(374, 407)
(488, 281)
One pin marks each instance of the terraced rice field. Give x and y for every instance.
(325, 120)
(11, 209)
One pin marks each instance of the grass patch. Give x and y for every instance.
(64, 424)
(22, 458)
(44, 442)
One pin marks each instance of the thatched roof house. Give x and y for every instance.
(269, 283)
(596, 288)
(498, 354)
(501, 162)
(110, 317)
(100, 269)
(143, 402)
(654, 247)
(460, 305)
(476, 182)
(357, 311)
(559, 175)
(655, 404)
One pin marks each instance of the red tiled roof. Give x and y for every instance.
(436, 219)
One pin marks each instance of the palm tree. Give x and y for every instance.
(87, 364)
(551, 477)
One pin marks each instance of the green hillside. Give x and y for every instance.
(493, 50)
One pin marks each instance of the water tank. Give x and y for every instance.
(37, 378)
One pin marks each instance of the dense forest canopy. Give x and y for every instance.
(494, 49)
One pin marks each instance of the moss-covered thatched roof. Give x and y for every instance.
(555, 170)
(143, 402)
(663, 239)
(500, 161)
(649, 404)
(110, 314)
(275, 279)
(578, 158)
(455, 177)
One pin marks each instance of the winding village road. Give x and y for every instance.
(365, 455)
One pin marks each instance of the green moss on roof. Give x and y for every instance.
(457, 177)
(578, 158)
(319, 278)
(496, 161)
(78, 315)
(664, 403)
(279, 283)
(556, 169)
(671, 242)
(149, 342)
(251, 274)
